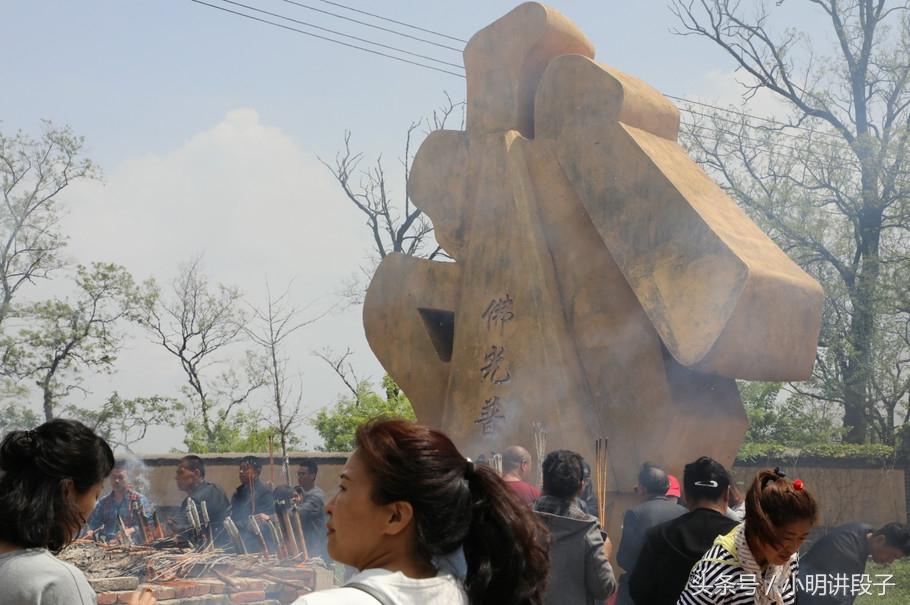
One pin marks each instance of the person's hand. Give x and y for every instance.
(262, 517)
(143, 596)
(130, 531)
(89, 534)
(608, 547)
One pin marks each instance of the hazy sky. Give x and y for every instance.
(207, 127)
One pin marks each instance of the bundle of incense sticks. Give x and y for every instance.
(496, 463)
(599, 477)
(540, 445)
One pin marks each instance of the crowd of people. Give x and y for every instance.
(120, 514)
(421, 523)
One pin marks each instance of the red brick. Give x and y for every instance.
(161, 592)
(248, 584)
(182, 588)
(107, 598)
(214, 586)
(250, 596)
(124, 596)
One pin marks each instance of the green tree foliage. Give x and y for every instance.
(831, 185)
(337, 425)
(33, 172)
(777, 417)
(241, 432)
(15, 416)
(62, 338)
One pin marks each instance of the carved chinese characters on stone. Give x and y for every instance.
(603, 285)
(498, 312)
(490, 414)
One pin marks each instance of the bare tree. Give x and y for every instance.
(342, 368)
(272, 325)
(196, 325)
(394, 226)
(831, 185)
(33, 173)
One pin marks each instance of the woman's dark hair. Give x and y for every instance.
(282, 495)
(457, 503)
(773, 502)
(41, 468)
(563, 472)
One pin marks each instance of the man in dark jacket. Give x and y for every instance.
(580, 571)
(312, 510)
(190, 478)
(656, 509)
(252, 498)
(843, 552)
(672, 548)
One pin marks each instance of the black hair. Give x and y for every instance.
(563, 472)
(458, 503)
(41, 470)
(653, 479)
(282, 495)
(194, 463)
(299, 490)
(705, 479)
(896, 535)
(311, 466)
(253, 462)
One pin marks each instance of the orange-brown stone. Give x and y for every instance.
(603, 285)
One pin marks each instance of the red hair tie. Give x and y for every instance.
(798, 485)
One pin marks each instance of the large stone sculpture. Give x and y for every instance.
(603, 285)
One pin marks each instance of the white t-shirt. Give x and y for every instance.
(444, 589)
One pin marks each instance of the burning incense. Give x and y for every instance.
(540, 445)
(600, 478)
(138, 513)
(285, 518)
(298, 527)
(257, 531)
(271, 464)
(280, 551)
(159, 531)
(124, 535)
(234, 533)
(207, 521)
(496, 463)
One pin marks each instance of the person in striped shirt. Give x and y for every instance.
(757, 562)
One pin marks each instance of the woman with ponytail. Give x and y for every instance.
(758, 561)
(408, 504)
(51, 479)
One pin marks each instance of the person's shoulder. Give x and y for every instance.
(337, 596)
(39, 570)
(208, 486)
